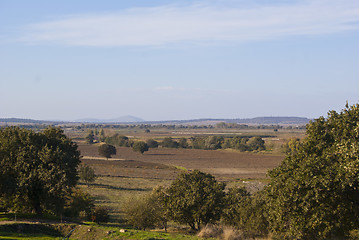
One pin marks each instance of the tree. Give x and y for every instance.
(90, 137)
(182, 143)
(291, 147)
(106, 150)
(140, 146)
(195, 199)
(314, 192)
(168, 142)
(234, 201)
(256, 143)
(246, 212)
(152, 143)
(102, 135)
(87, 174)
(37, 170)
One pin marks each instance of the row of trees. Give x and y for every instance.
(313, 194)
(208, 143)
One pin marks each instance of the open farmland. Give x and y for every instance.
(162, 162)
(128, 174)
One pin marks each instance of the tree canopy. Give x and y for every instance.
(37, 170)
(106, 150)
(314, 193)
(140, 146)
(195, 199)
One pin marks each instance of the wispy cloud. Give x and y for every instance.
(198, 23)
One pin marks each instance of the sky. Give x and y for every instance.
(177, 59)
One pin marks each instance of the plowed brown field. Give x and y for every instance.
(162, 162)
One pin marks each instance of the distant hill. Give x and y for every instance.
(252, 121)
(206, 121)
(21, 120)
(123, 119)
(274, 120)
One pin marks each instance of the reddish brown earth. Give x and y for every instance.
(160, 162)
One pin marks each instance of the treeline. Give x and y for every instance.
(207, 143)
(221, 125)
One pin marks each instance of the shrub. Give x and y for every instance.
(100, 214)
(79, 204)
(87, 174)
(147, 211)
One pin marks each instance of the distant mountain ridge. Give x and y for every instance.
(123, 119)
(274, 120)
(253, 121)
(207, 121)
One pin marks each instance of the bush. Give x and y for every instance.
(147, 211)
(87, 174)
(100, 214)
(79, 204)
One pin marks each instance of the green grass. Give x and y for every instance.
(112, 192)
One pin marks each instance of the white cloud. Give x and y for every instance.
(201, 23)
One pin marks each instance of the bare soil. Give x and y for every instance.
(162, 162)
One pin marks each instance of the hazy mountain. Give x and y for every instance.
(206, 121)
(123, 119)
(274, 120)
(252, 121)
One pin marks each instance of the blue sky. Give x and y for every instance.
(162, 60)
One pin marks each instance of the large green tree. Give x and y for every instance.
(37, 170)
(195, 199)
(314, 193)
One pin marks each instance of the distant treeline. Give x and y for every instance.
(208, 143)
(33, 124)
(221, 125)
